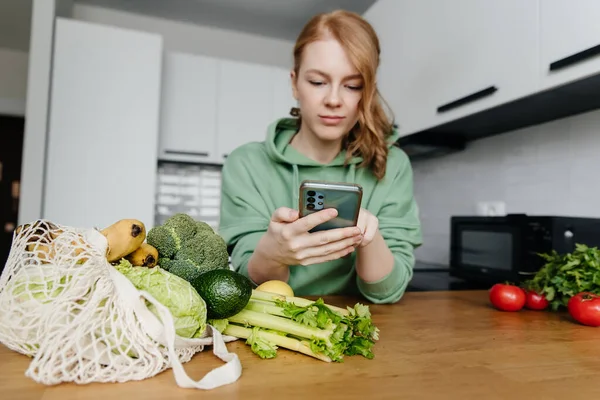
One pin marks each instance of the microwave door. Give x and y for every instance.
(485, 252)
(491, 250)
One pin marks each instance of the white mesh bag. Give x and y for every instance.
(63, 304)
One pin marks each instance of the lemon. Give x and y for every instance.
(277, 287)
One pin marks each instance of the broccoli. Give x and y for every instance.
(188, 248)
(202, 226)
(164, 240)
(165, 263)
(185, 269)
(207, 251)
(182, 225)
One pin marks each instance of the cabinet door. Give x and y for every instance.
(283, 98)
(188, 108)
(442, 60)
(103, 125)
(245, 104)
(570, 40)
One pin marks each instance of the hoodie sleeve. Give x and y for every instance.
(244, 216)
(400, 227)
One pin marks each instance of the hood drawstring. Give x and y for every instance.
(296, 180)
(352, 173)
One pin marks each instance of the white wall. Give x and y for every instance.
(551, 168)
(13, 81)
(189, 38)
(37, 105)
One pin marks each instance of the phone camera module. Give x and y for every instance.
(311, 200)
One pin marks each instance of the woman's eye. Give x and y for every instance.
(316, 83)
(354, 87)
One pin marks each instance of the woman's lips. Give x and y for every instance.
(331, 119)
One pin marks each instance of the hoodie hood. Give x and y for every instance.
(277, 142)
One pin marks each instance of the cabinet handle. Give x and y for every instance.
(575, 58)
(467, 99)
(187, 153)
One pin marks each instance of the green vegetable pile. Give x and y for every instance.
(565, 275)
(185, 304)
(188, 248)
(197, 257)
(309, 327)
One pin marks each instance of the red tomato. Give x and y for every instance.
(535, 301)
(584, 307)
(507, 297)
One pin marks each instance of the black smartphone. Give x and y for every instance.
(346, 198)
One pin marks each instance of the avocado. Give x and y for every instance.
(225, 292)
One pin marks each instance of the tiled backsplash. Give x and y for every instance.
(188, 188)
(545, 169)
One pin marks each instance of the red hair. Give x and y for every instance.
(368, 138)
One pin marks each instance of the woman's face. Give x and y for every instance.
(328, 89)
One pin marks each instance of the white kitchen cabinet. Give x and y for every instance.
(570, 41)
(283, 98)
(188, 123)
(211, 106)
(244, 104)
(442, 60)
(103, 125)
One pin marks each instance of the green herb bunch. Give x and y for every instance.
(565, 275)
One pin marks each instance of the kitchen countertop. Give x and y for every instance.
(434, 345)
(433, 277)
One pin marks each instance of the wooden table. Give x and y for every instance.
(434, 345)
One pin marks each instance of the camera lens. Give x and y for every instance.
(311, 193)
(320, 203)
(311, 199)
(320, 197)
(310, 206)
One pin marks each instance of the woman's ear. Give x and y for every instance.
(294, 80)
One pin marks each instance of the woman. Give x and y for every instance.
(341, 134)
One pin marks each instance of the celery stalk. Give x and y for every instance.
(262, 320)
(264, 307)
(279, 340)
(299, 301)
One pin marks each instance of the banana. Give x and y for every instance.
(44, 252)
(144, 256)
(124, 237)
(41, 241)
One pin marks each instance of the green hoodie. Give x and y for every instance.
(260, 177)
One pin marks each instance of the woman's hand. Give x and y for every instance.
(374, 260)
(369, 226)
(290, 242)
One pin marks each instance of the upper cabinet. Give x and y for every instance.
(442, 60)
(570, 41)
(188, 108)
(283, 98)
(211, 106)
(245, 104)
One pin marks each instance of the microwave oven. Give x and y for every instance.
(495, 249)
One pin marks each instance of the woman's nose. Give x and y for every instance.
(333, 98)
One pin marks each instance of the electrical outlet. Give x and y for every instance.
(491, 208)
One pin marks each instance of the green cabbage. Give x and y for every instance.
(187, 307)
